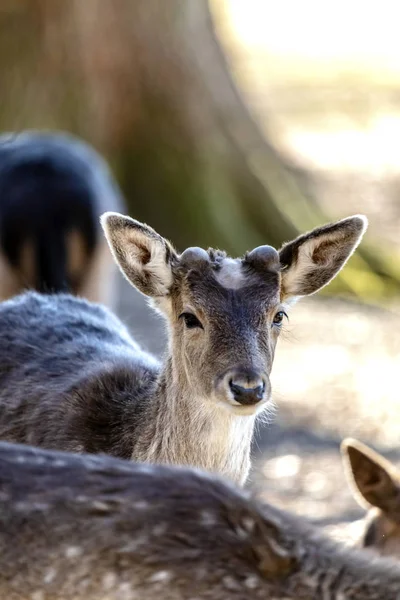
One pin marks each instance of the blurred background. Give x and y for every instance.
(233, 123)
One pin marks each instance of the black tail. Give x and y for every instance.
(53, 189)
(51, 264)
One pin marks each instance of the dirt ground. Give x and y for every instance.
(335, 375)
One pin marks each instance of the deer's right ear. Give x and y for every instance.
(374, 477)
(144, 257)
(312, 260)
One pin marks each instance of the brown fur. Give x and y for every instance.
(95, 528)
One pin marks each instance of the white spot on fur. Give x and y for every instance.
(82, 499)
(134, 545)
(73, 551)
(31, 459)
(161, 577)
(50, 576)
(141, 505)
(230, 583)
(100, 506)
(241, 532)
(248, 524)
(231, 274)
(109, 580)
(37, 595)
(125, 592)
(252, 582)
(207, 518)
(160, 529)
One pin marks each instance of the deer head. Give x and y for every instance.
(224, 314)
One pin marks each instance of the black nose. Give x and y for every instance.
(247, 395)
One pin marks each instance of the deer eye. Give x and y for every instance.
(191, 321)
(278, 318)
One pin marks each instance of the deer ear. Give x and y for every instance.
(374, 477)
(312, 260)
(144, 257)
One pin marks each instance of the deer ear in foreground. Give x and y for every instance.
(376, 485)
(97, 528)
(91, 388)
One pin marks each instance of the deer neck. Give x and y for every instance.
(190, 430)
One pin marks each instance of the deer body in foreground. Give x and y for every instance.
(71, 378)
(97, 528)
(376, 485)
(53, 189)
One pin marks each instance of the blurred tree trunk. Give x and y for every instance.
(147, 84)
(142, 82)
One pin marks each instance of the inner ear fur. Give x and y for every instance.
(144, 257)
(313, 259)
(374, 480)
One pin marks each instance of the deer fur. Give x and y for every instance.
(375, 483)
(71, 377)
(87, 527)
(53, 189)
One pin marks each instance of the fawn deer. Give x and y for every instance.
(53, 189)
(376, 486)
(90, 527)
(71, 377)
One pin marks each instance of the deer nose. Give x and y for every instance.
(247, 390)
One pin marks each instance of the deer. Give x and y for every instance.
(53, 189)
(72, 378)
(93, 527)
(375, 483)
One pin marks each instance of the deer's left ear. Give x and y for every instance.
(312, 260)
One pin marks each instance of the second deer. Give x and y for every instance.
(97, 528)
(53, 189)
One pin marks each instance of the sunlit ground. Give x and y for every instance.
(327, 72)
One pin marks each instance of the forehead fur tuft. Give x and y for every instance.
(217, 258)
